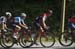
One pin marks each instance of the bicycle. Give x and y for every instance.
(50, 37)
(1, 34)
(8, 40)
(26, 39)
(45, 37)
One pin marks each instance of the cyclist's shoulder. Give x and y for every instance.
(2, 17)
(38, 17)
(17, 17)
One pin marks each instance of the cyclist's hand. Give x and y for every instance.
(47, 27)
(26, 27)
(28, 30)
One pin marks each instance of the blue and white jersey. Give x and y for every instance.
(3, 19)
(18, 19)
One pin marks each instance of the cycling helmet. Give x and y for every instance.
(8, 14)
(23, 14)
(50, 11)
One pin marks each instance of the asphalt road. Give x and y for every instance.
(42, 48)
(56, 46)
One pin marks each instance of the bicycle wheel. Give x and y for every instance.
(47, 41)
(25, 42)
(66, 39)
(2, 43)
(7, 41)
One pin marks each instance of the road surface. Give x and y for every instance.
(56, 46)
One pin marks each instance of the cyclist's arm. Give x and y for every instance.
(23, 25)
(4, 26)
(44, 19)
(4, 23)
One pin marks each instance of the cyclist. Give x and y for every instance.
(5, 21)
(19, 23)
(9, 20)
(3, 26)
(10, 24)
(72, 24)
(40, 21)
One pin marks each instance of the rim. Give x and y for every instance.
(7, 41)
(47, 42)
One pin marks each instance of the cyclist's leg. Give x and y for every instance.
(44, 32)
(0, 33)
(16, 29)
(73, 34)
(41, 31)
(72, 28)
(38, 29)
(0, 30)
(25, 33)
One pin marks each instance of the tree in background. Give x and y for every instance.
(34, 8)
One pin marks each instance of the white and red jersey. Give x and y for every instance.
(42, 18)
(3, 19)
(45, 14)
(72, 20)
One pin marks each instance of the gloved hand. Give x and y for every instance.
(5, 30)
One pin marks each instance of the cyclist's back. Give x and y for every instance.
(17, 20)
(38, 19)
(10, 22)
(72, 22)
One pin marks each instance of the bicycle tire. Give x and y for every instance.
(52, 38)
(6, 46)
(23, 42)
(67, 38)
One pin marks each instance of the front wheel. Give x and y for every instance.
(25, 41)
(66, 39)
(47, 41)
(7, 41)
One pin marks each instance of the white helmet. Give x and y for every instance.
(23, 14)
(50, 11)
(8, 13)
